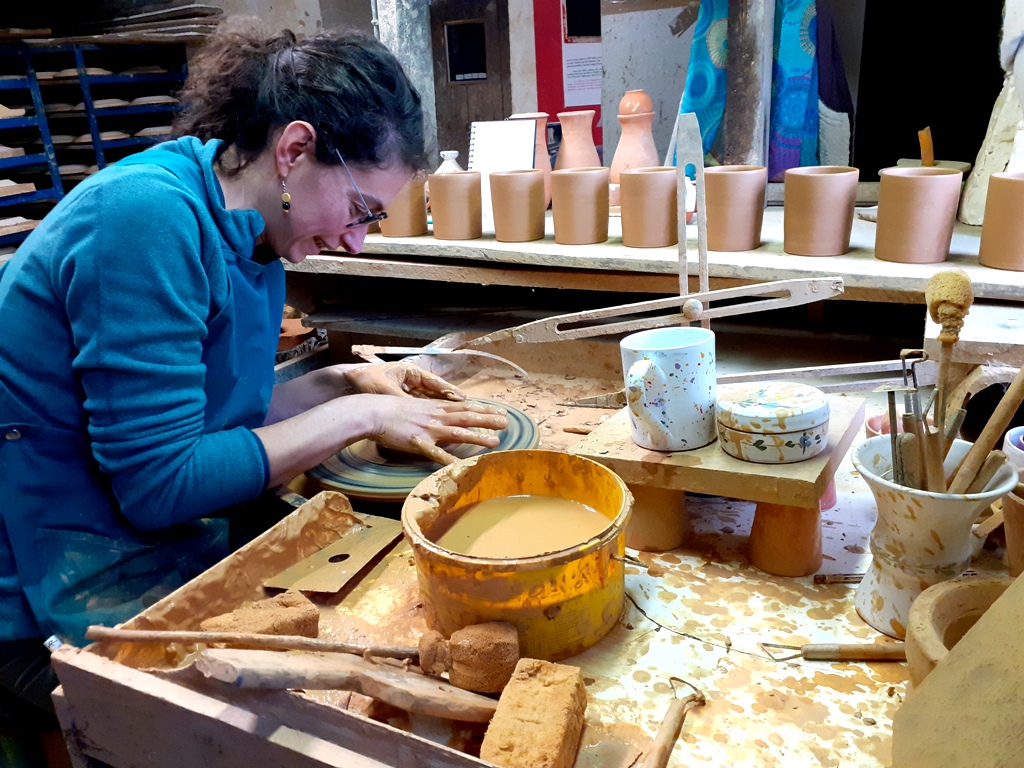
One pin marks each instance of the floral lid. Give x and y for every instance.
(771, 407)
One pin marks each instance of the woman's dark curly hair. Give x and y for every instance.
(242, 85)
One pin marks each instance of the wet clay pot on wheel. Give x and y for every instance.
(734, 200)
(818, 210)
(407, 213)
(577, 149)
(1002, 231)
(541, 159)
(517, 201)
(579, 205)
(648, 206)
(916, 213)
(455, 205)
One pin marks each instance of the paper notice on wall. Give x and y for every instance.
(581, 74)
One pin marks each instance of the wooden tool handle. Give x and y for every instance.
(935, 481)
(247, 639)
(853, 652)
(986, 441)
(910, 453)
(668, 732)
(405, 689)
(992, 464)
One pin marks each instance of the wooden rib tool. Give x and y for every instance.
(949, 297)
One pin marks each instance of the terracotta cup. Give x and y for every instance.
(650, 217)
(916, 213)
(734, 200)
(407, 213)
(579, 205)
(455, 205)
(1002, 231)
(818, 210)
(517, 201)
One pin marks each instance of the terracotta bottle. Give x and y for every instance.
(650, 217)
(579, 205)
(636, 144)
(455, 204)
(541, 158)
(517, 201)
(577, 149)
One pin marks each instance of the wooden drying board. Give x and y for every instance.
(712, 471)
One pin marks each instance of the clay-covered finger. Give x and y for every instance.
(433, 451)
(475, 420)
(464, 435)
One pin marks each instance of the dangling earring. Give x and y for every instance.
(286, 199)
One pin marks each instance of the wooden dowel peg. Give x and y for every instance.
(988, 470)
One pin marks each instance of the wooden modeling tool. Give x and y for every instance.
(402, 688)
(993, 430)
(924, 138)
(927, 159)
(949, 298)
(668, 731)
(838, 651)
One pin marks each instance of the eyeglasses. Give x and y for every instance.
(369, 218)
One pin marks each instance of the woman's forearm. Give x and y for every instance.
(298, 395)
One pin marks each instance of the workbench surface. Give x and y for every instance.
(612, 266)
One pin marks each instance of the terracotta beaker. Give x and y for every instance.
(916, 213)
(455, 205)
(577, 149)
(517, 201)
(636, 145)
(920, 538)
(407, 213)
(818, 210)
(659, 521)
(541, 158)
(579, 205)
(650, 216)
(1002, 231)
(734, 200)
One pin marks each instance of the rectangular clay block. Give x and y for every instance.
(539, 717)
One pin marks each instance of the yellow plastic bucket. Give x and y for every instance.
(561, 602)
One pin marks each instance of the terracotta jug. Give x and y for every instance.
(734, 200)
(635, 102)
(407, 213)
(636, 145)
(577, 149)
(541, 158)
(1002, 230)
(916, 214)
(579, 205)
(517, 201)
(455, 205)
(817, 217)
(650, 217)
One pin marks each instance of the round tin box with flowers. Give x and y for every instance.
(775, 422)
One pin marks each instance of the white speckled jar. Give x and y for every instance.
(773, 422)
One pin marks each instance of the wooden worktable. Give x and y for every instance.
(614, 267)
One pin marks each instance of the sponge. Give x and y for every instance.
(949, 297)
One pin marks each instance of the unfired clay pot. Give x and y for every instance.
(818, 210)
(1002, 231)
(916, 213)
(541, 159)
(407, 213)
(636, 145)
(734, 200)
(517, 201)
(455, 205)
(649, 209)
(634, 102)
(579, 205)
(577, 149)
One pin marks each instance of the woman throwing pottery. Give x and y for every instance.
(141, 319)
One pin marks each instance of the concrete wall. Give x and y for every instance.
(301, 16)
(347, 13)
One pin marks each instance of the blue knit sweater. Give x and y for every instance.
(136, 356)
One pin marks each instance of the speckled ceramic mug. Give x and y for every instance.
(670, 387)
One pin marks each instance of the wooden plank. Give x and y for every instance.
(748, 98)
(16, 224)
(712, 471)
(9, 188)
(124, 716)
(992, 335)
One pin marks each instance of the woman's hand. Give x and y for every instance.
(401, 379)
(420, 425)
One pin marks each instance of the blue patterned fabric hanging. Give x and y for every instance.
(704, 93)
